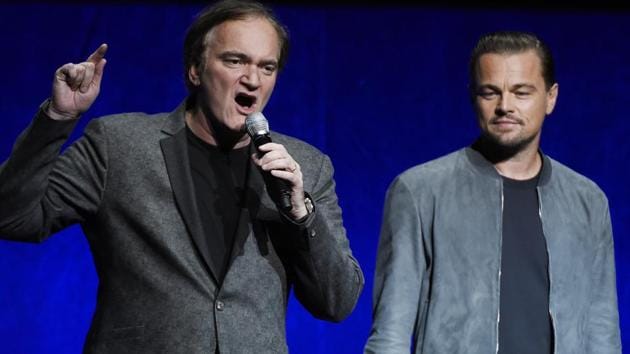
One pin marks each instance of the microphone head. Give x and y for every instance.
(256, 124)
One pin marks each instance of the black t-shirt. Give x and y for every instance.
(219, 178)
(524, 322)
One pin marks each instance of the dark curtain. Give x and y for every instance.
(378, 88)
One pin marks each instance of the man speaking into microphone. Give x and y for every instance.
(193, 254)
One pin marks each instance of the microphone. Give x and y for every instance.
(279, 189)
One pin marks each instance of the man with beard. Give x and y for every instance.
(497, 248)
(191, 252)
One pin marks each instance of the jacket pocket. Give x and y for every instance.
(133, 332)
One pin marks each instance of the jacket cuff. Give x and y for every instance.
(305, 227)
(48, 126)
(307, 219)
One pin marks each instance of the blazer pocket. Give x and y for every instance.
(134, 332)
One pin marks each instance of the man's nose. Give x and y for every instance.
(251, 77)
(504, 105)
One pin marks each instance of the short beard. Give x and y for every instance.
(497, 151)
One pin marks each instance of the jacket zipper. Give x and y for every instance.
(500, 260)
(553, 322)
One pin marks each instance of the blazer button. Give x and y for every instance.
(313, 233)
(220, 305)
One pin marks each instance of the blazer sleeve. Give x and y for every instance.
(602, 332)
(327, 278)
(400, 271)
(43, 192)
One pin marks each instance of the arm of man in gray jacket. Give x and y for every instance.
(43, 192)
(40, 193)
(328, 279)
(400, 272)
(602, 332)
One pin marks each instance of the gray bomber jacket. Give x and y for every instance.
(438, 268)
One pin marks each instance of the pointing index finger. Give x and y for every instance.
(98, 54)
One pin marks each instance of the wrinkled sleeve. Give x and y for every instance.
(327, 278)
(43, 192)
(400, 269)
(602, 332)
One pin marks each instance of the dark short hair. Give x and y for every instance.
(216, 14)
(508, 42)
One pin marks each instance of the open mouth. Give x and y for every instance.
(244, 100)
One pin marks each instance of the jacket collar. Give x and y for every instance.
(175, 150)
(176, 120)
(481, 165)
(259, 205)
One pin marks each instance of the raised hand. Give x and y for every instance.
(76, 86)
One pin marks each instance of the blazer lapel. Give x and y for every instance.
(258, 208)
(175, 150)
(261, 221)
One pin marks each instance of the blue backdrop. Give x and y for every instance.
(378, 88)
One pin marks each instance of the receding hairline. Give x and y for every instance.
(245, 18)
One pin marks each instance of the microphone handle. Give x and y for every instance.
(279, 189)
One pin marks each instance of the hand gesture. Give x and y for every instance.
(76, 86)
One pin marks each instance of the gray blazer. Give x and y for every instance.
(127, 182)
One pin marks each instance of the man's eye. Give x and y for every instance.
(232, 61)
(522, 93)
(269, 69)
(487, 94)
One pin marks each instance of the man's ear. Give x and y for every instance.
(193, 75)
(552, 97)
